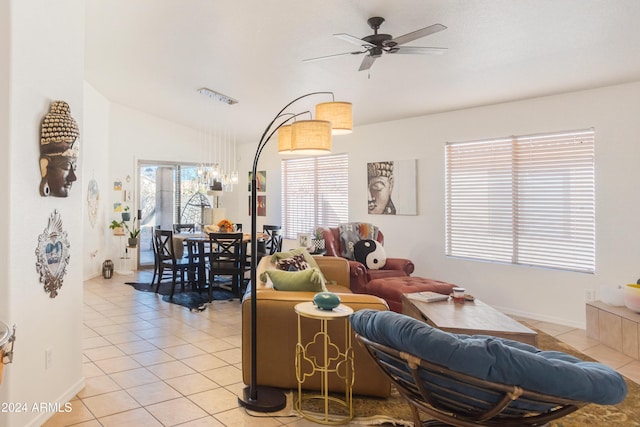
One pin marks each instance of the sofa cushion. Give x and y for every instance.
(370, 253)
(310, 280)
(495, 359)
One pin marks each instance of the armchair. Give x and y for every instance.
(359, 274)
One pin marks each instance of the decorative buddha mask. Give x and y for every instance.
(58, 151)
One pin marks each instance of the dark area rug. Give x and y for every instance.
(625, 414)
(193, 300)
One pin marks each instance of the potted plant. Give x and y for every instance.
(126, 215)
(133, 232)
(118, 229)
(318, 240)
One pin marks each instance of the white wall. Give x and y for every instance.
(46, 61)
(538, 293)
(95, 149)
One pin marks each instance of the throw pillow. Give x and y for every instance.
(309, 280)
(295, 263)
(370, 253)
(275, 258)
(351, 233)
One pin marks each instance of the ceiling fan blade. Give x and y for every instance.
(419, 50)
(406, 38)
(353, 39)
(367, 62)
(332, 56)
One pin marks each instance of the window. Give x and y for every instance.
(524, 200)
(315, 193)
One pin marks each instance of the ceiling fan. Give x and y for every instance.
(376, 44)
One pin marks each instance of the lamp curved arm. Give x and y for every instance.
(251, 398)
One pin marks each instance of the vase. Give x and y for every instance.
(133, 242)
(126, 216)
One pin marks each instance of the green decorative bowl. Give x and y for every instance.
(326, 300)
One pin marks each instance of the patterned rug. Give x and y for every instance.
(395, 411)
(193, 300)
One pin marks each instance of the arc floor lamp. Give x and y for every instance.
(294, 137)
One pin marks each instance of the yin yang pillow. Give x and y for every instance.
(370, 253)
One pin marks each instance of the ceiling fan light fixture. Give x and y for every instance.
(339, 114)
(311, 137)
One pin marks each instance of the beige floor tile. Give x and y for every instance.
(209, 421)
(204, 362)
(92, 423)
(578, 339)
(183, 351)
(101, 353)
(91, 370)
(98, 385)
(190, 384)
(134, 377)
(224, 375)
(233, 355)
(167, 341)
(135, 347)
(79, 413)
(110, 330)
(216, 400)
(110, 403)
(608, 356)
(214, 345)
(152, 357)
(171, 369)
(631, 370)
(238, 417)
(94, 342)
(157, 392)
(117, 364)
(176, 411)
(134, 418)
(122, 337)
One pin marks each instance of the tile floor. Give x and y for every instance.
(151, 363)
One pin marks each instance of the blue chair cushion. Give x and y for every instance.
(494, 359)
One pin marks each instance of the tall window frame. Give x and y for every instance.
(315, 193)
(527, 200)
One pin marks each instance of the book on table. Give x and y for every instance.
(428, 296)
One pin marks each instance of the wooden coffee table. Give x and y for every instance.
(471, 318)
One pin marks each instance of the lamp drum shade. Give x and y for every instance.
(284, 139)
(339, 114)
(311, 137)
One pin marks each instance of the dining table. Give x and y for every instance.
(195, 244)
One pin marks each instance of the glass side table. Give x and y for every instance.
(335, 358)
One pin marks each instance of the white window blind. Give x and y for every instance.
(523, 200)
(315, 193)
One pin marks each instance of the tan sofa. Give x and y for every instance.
(277, 333)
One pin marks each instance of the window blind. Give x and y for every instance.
(523, 200)
(315, 193)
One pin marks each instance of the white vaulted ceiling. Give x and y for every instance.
(153, 55)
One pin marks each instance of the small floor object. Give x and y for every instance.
(334, 360)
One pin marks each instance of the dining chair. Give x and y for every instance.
(184, 228)
(227, 257)
(166, 257)
(273, 241)
(156, 263)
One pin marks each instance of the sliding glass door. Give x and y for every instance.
(169, 193)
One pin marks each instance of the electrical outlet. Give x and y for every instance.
(589, 295)
(48, 358)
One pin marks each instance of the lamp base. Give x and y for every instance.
(268, 399)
